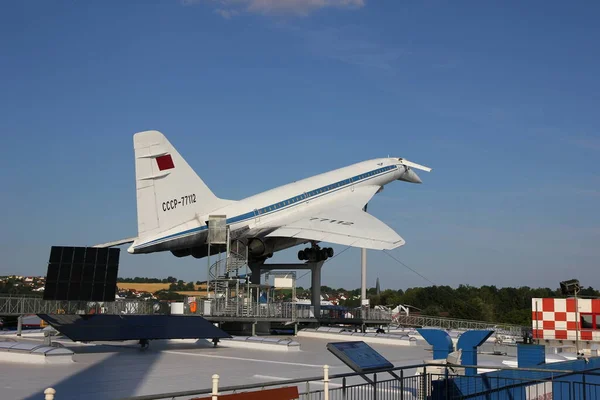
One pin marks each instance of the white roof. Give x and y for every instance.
(119, 370)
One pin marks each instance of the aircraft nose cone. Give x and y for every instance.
(410, 176)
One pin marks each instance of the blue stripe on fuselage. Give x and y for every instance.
(285, 204)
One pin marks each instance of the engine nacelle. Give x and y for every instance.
(181, 253)
(258, 247)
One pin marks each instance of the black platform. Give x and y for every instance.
(104, 327)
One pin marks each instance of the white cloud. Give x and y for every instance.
(229, 8)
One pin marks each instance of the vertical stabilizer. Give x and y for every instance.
(169, 192)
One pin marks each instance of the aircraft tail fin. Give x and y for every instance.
(169, 192)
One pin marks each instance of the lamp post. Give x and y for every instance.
(572, 288)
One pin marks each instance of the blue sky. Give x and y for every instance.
(500, 98)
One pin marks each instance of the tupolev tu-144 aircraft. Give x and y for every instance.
(174, 205)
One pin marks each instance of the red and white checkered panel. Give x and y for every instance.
(555, 319)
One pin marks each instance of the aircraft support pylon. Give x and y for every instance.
(314, 267)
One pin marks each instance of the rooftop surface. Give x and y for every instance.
(116, 370)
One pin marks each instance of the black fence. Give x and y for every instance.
(417, 382)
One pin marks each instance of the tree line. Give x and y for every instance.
(486, 303)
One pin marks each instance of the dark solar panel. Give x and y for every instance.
(104, 327)
(82, 273)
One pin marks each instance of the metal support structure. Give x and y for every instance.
(363, 272)
(363, 276)
(451, 323)
(315, 268)
(315, 279)
(255, 269)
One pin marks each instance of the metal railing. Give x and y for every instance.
(245, 308)
(241, 307)
(35, 305)
(415, 382)
(459, 324)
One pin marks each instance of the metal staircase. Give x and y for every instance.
(237, 257)
(221, 272)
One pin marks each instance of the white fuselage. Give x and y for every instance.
(258, 215)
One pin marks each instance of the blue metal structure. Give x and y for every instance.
(440, 340)
(468, 342)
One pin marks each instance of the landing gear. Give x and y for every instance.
(315, 254)
(144, 344)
